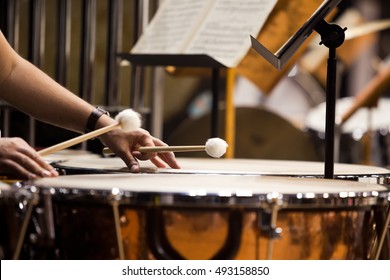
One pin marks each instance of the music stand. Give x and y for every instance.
(332, 36)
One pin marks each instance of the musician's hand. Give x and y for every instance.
(21, 161)
(125, 145)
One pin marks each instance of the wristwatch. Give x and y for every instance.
(93, 118)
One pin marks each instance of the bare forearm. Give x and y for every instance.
(26, 87)
(36, 94)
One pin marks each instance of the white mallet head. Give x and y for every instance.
(129, 119)
(216, 147)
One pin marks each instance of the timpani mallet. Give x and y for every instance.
(128, 120)
(214, 147)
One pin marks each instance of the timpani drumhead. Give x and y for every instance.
(228, 166)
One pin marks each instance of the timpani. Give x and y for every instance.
(213, 216)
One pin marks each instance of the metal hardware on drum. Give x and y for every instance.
(23, 229)
(266, 227)
(273, 231)
(384, 233)
(18, 206)
(115, 208)
(39, 225)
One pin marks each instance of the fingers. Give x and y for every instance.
(26, 167)
(169, 157)
(134, 167)
(33, 164)
(158, 162)
(37, 164)
(18, 159)
(158, 159)
(10, 167)
(126, 144)
(130, 161)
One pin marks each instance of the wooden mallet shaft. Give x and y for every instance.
(162, 149)
(78, 139)
(128, 120)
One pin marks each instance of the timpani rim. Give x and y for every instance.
(201, 189)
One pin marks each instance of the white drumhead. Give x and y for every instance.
(203, 184)
(359, 121)
(270, 167)
(230, 166)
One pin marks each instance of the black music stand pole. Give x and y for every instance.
(332, 36)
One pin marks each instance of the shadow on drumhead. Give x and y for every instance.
(260, 134)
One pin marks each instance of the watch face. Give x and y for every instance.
(103, 111)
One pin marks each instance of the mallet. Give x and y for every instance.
(128, 120)
(214, 147)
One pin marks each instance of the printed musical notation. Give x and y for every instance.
(218, 28)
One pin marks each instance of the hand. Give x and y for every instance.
(18, 159)
(125, 145)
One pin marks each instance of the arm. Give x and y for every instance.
(30, 90)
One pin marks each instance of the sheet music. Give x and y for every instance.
(172, 26)
(224, 35)
(218, 28)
